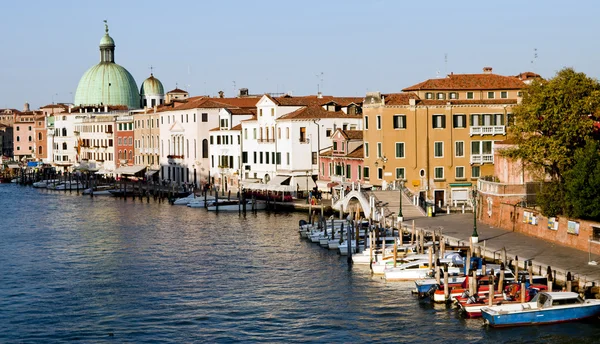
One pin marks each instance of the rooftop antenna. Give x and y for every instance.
(319, 82)
(234, 87)
(446, 64)
(535, 56)
(151, 70)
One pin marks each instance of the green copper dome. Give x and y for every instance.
(107, 83)
(152, 87)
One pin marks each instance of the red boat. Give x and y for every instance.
(471, 306)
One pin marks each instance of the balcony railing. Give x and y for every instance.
(482, 159)
(488, 130)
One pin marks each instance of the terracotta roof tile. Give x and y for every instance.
(469, 82)
(177, 90)
(315, 100)
(326, 153)
(358, 153)
(352, 134)
(237, 127)
(314, 112)
(399, 98)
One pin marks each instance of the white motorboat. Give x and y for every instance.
(99, 191)
(44, 183)
(69, 186)
(419, 269)
(185, 200)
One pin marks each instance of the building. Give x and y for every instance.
(41, 137)
(24, 135)
(225, 147)
(146, 133)
(51, 113)
(107, 83)
(152, 92)
(184, 134)
(124, 146)
(7, 120)
(343, 163)
(176, 94)
(95, 128)
(438, 135)
(282, 144)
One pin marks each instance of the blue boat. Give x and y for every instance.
(544, 308)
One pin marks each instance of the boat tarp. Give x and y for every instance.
(129, 170)
(32, 164)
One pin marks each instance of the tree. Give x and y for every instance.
(582, 183)
(553, 121)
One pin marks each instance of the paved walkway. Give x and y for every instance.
(543, 253)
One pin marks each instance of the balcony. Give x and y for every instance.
(487, 130)
(482, 159)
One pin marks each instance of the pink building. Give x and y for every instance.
(343, 163)
(24, 135)
(507, 170)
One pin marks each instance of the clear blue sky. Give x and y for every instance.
(280, 46)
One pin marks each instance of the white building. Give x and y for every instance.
(282, 145)
(184, 136)
(63, 142)
(225, 147)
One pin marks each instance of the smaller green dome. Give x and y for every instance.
(152, 87)
(107, 41)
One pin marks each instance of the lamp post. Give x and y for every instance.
(307, 193)
(474, 236)
(400, 215)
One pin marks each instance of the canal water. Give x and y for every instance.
(104, 270)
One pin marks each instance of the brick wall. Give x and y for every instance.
(504, 212)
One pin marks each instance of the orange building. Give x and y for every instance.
(438, 136)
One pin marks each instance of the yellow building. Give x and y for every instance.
(438, 136)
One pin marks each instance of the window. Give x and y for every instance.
(260, 112)
(194, 117)
(399, 150)
(595, 233)
(498, 119)
(287, 133)
(491, 95)
(366, 172)
(314, 158)
(266, 157)
(279, 133)
(475, 171)
(272, 111)
(438, 149)
(254, 133)
(378, 122)
(359, 170)
(470, 95)
(245, 133)
(39, 136)
(441, 96)
(328, 133)
(255, 157)
(379, 173)
(278, 162)
(211, 140)
(475, 120)
(519, 94)
(510, 119)
(335, 145)
(453, 95)
(244, 157)
(439, 121)
(204, 117)
(428, 95)
(379, 150)
(503, 94)
(459, 121)
(287, 158)
(349, 171)
(400, 173)
(205, 148)
(260, 154)
(460, 172)
(459, 149)
(366, 122)
(475, 147)
(366, 149)
(438, 173)
(399, 122)
(302, 134)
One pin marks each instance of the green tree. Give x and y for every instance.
(553, 121)
(582, 183)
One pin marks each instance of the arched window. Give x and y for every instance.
(64, 146)
(29, 138)
(40, 150)
(187, 146)
(130, 155)
(120, 155)
(40, 136)
(205, 148)
(64, 131)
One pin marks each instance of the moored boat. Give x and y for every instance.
(544, 308)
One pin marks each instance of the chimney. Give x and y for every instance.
(221, 94)
(105, 108)
(319, 95)
(26, 107)
(412, 102)
(487, 70)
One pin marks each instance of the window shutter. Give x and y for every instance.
(443, 121)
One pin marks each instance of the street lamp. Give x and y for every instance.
(474, 236)
(307, 193)
(400, 215)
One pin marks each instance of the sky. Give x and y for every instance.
(341, 47)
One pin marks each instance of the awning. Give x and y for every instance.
(301, 183)
(13, 166)
(455, 185)
(151, 172)
(103, 171)
(32, 164)
(324, 185)
(280, 180)
(130, 170)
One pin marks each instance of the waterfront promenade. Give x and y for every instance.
(543, 253)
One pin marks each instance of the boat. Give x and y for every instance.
(471, 306)
(198, 202)
(185, 200)
(544, 308)
(419, 269)
(44, 183)
(68, 185)
(100, 190)
(234, 205)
